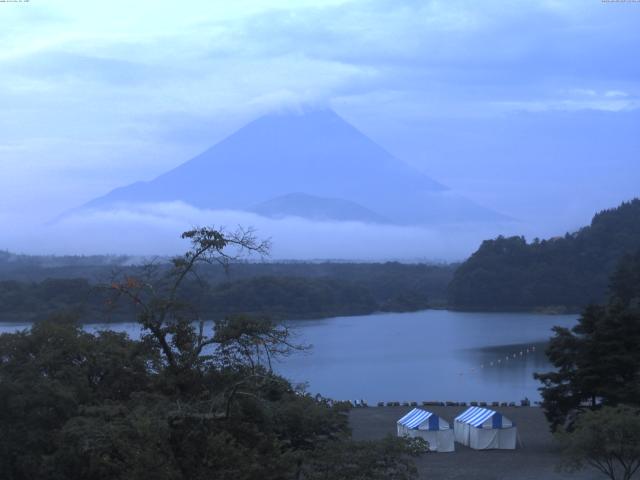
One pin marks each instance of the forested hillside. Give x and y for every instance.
(567, 272)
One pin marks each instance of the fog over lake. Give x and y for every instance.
(427, 355)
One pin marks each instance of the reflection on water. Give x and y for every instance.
(428, 355)
(508, 369)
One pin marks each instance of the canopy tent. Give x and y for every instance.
(484, 429)
(428, 426)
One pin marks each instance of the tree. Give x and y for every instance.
(48, 375)
(167, 320)
(561, 273)
(597, 361)
(252, 341)
(607, 439)
(178, 404)
(390, 458)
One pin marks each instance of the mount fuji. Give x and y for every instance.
(313, 165)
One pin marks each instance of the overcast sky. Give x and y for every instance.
(527, 107)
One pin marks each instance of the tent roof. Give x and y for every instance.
(415, 417)
(475, 416)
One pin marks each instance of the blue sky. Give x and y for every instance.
(531, 108)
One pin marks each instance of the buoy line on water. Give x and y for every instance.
(518, 355)
(497, 362)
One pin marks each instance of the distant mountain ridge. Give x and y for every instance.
(569, 271)
(317, 154)
(316, 208)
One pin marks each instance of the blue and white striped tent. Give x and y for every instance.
(484, 429)
(429, 426)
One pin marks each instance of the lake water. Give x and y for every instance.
(428, 355)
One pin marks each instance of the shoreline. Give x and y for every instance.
(124, 318)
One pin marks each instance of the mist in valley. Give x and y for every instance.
(443, 125)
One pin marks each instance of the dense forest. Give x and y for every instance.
(563, 273)
(184, 402)
(31, 288)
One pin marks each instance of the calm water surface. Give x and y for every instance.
(428, 355)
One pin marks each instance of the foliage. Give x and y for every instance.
(29, 300)
(568, 272)
(279, 290)
(48, 374)
(607, 439)
(291, 297)
(597, 361)
(251, 341)
(382, 460)
(181, 403)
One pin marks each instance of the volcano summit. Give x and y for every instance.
(313, 165)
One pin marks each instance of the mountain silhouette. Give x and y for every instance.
(316, 208)
(316, 154)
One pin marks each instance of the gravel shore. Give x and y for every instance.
(535, 458)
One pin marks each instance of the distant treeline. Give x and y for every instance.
(280, 290)
(41, 267)
(556, 275)
(564, 273)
